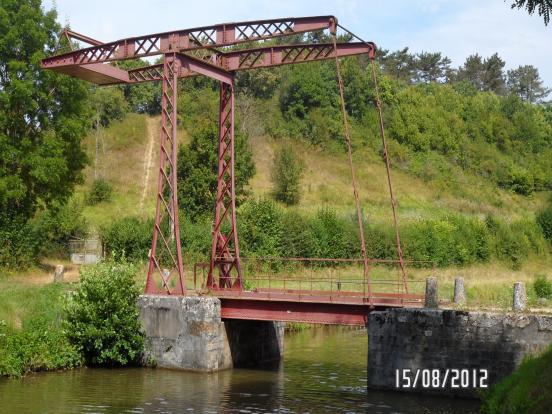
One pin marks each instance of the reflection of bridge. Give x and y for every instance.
(217, 52)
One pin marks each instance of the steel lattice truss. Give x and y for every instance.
(209, 51)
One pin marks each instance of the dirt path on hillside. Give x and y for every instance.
(151, 124)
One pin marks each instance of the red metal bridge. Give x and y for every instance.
(301, 289)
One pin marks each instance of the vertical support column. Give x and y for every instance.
(225, 253)
(165, 270)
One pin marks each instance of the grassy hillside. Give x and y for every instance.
(131, 150)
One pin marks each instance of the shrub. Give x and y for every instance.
(102, 316)
(58, 224)
(331, 235)
(286, 176)
(129, 235)
(544, 220)
(100, 191)
(296, 239)
(19, 244)
(39, 343)
(260, 228)
(542, 287)
(38, 346)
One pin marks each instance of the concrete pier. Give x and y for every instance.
(188, 333)
(433, 339)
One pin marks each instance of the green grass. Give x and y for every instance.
(527, 390)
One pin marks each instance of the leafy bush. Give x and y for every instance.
(526, 390)
(39, 343)
(130, 236)
(544, 220)
(542, 287)
(20, 243)
(296, 239)
(286, 176)
(332, 236)
(100, 191)
(58, 224)
(451, 240)
(102, 316)
(38, 346)
(260, 228)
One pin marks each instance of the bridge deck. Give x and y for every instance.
(289, 305)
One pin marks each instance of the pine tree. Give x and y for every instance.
(544, 7)
(432, 67)
(526, 83)
(473, 71)
(399, 64)
(493, 78)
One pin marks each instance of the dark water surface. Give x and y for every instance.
(323, 371)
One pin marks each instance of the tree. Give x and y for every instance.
(109, 104)
(143, 98)
(43, 114)
(432, 67)
(493, 77)
(544, 7)
(286, 176)
(526, 83)
(198, 168)
(400, 64)
(473, 71)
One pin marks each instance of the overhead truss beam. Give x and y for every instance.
(190, 39)
(219, 64)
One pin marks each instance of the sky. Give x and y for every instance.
(456, 28)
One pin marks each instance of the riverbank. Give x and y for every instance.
(323, 371)
(31, 336)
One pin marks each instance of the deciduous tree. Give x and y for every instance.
(43, 115)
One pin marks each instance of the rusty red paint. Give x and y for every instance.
(165, 269)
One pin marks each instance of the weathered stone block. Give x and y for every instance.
(441, 339)
(188, 333)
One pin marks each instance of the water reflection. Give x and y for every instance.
(323, 371)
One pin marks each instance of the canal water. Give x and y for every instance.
(323, 371)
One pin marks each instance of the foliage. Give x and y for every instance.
(526, 83)
(102, 316)
(57, 225)
(39, 343)
(128, 236)
(286, 176)
(260, 228)
(142, 98)
(544, 220)
(533, 378)
(542, 287)
(109, 104)
(198, 168)
(100, 191)
(544, 7)
(43, 117)
(20, 243)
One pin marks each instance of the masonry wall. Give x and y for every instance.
(439, 339)
(188, 333)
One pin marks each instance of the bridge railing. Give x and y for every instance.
(323, 277)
